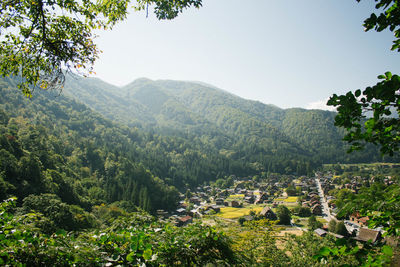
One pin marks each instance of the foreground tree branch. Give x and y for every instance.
(41, 41)
(372, 116)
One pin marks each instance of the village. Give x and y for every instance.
(307, 199)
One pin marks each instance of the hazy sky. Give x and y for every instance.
(286, 53)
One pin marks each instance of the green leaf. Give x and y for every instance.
(131, 257)
(324, 251)
(147, 254)
(355, 250)
(61, 232)
(388, 251)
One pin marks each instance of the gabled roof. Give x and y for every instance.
(363, 220)
(320, 232)
(185, 219)
(266, 210)
(355, 215)
(316, 206)
(366, 234)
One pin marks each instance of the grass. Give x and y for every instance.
(233, 213)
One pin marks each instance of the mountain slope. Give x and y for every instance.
(110, 153)
(244, 130)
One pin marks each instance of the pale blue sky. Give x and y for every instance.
(286, 53)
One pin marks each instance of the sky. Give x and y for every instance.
(286, 53)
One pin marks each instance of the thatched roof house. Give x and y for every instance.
(320, 232)
(366, 234)
(268, 213)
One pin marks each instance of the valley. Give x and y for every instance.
(166, 163)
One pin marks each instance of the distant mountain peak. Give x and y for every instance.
(143, 79)
(138, 82)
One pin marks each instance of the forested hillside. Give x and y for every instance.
(273, 139)
(53, 144)
(185, 134)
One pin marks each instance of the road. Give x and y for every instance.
(325, 207)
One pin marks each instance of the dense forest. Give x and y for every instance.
(271, 138)
(191, 135)
(79, 169)
(57, 146)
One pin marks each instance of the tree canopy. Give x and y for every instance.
(42, 40)
(372, 115)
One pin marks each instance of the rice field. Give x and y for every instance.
(237, 196)
(291, 199)
(234, 213)
(287, 200)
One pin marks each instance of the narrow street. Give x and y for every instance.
(325, 208)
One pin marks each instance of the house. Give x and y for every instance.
(181, 211)
(314, 202)
(242, 191)
(320, 232)
(337, 235)
(195, 200)
(249, 199)
(268, 213)
(223, 194)
(219, 201)
(233, 203)
(182, 221)
(263, 197)
(239, 186)
(162, 213)
(182, 204)
(215, 208)
(366, 234)
(357, 219)
(316, 209)
(363, 221)
(208, 212)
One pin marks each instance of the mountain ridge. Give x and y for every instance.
(193, 109)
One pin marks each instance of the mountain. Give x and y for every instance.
(96, 143)
(263, 135)
(52, 144)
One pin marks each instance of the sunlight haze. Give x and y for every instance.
(290, 54)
